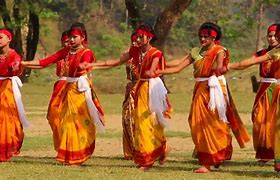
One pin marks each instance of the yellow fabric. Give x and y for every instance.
(11, 132)
(149, 134)
(73, 130)
(274, 54)
(209, 133)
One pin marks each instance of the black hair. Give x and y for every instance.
(66, 32)
(215, 27)
(277, 33)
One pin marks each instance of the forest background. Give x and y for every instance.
(38, 25)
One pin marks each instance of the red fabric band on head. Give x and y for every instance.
(271, 28)
(210, 32)
(143, 32)
(7, 33)
(76, 31)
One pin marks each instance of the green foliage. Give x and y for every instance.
(109, 45)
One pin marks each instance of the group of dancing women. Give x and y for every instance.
(75, 113)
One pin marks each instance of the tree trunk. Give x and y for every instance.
(17, 43)
(260, 23)
(32, 40)
(5, 13)
(133, 13)
(167, 19)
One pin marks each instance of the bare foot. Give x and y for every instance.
(128, 158)
(217, 166)
(262, 162)
(144, 168)
(202, 169)
(163, 157)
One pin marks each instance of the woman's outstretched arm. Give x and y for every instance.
(184, 62)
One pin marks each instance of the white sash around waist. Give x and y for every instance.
(16, 84)
(83, 86)
(157, 100)
(268, 80)
(217, 98)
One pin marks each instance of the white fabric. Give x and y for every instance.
(157, 100)
(278, 81)
(16, 84)
(217, 99)
(268, 80)
(83, 86)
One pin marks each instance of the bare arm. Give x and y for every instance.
(243, 64)
(31, 64)
(106, 64)
(152, 71)
(220, 61)
(187, 60)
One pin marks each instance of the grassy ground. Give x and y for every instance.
(37, 158)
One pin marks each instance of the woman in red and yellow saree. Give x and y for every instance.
(12, 115)
(212, 113)
(262, 137)
(272, 56)
(150, 104)
(75, 112)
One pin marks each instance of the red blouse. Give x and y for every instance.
(6, 64)
(69, 66)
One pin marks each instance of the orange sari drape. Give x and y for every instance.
(274, 114)
(11, 131)
(211, 135)
(262, 137)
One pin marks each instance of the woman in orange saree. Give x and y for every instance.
(273, 56)
(262, 137)
(212, 113)
(12, 115)
(75, 112)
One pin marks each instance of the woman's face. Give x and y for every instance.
(271, 39)
(4, 40)
(76, 40)
(205, 39)
(142, 40)
(65, 42)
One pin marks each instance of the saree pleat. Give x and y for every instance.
(275, 127)
(128, 121)
(262, 137)
(11, 131)
(210, 135)
(150, 142)
(73, 130)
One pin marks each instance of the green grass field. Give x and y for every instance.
(37, 158)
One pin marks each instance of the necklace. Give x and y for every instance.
(143, 54)
(74, 50)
